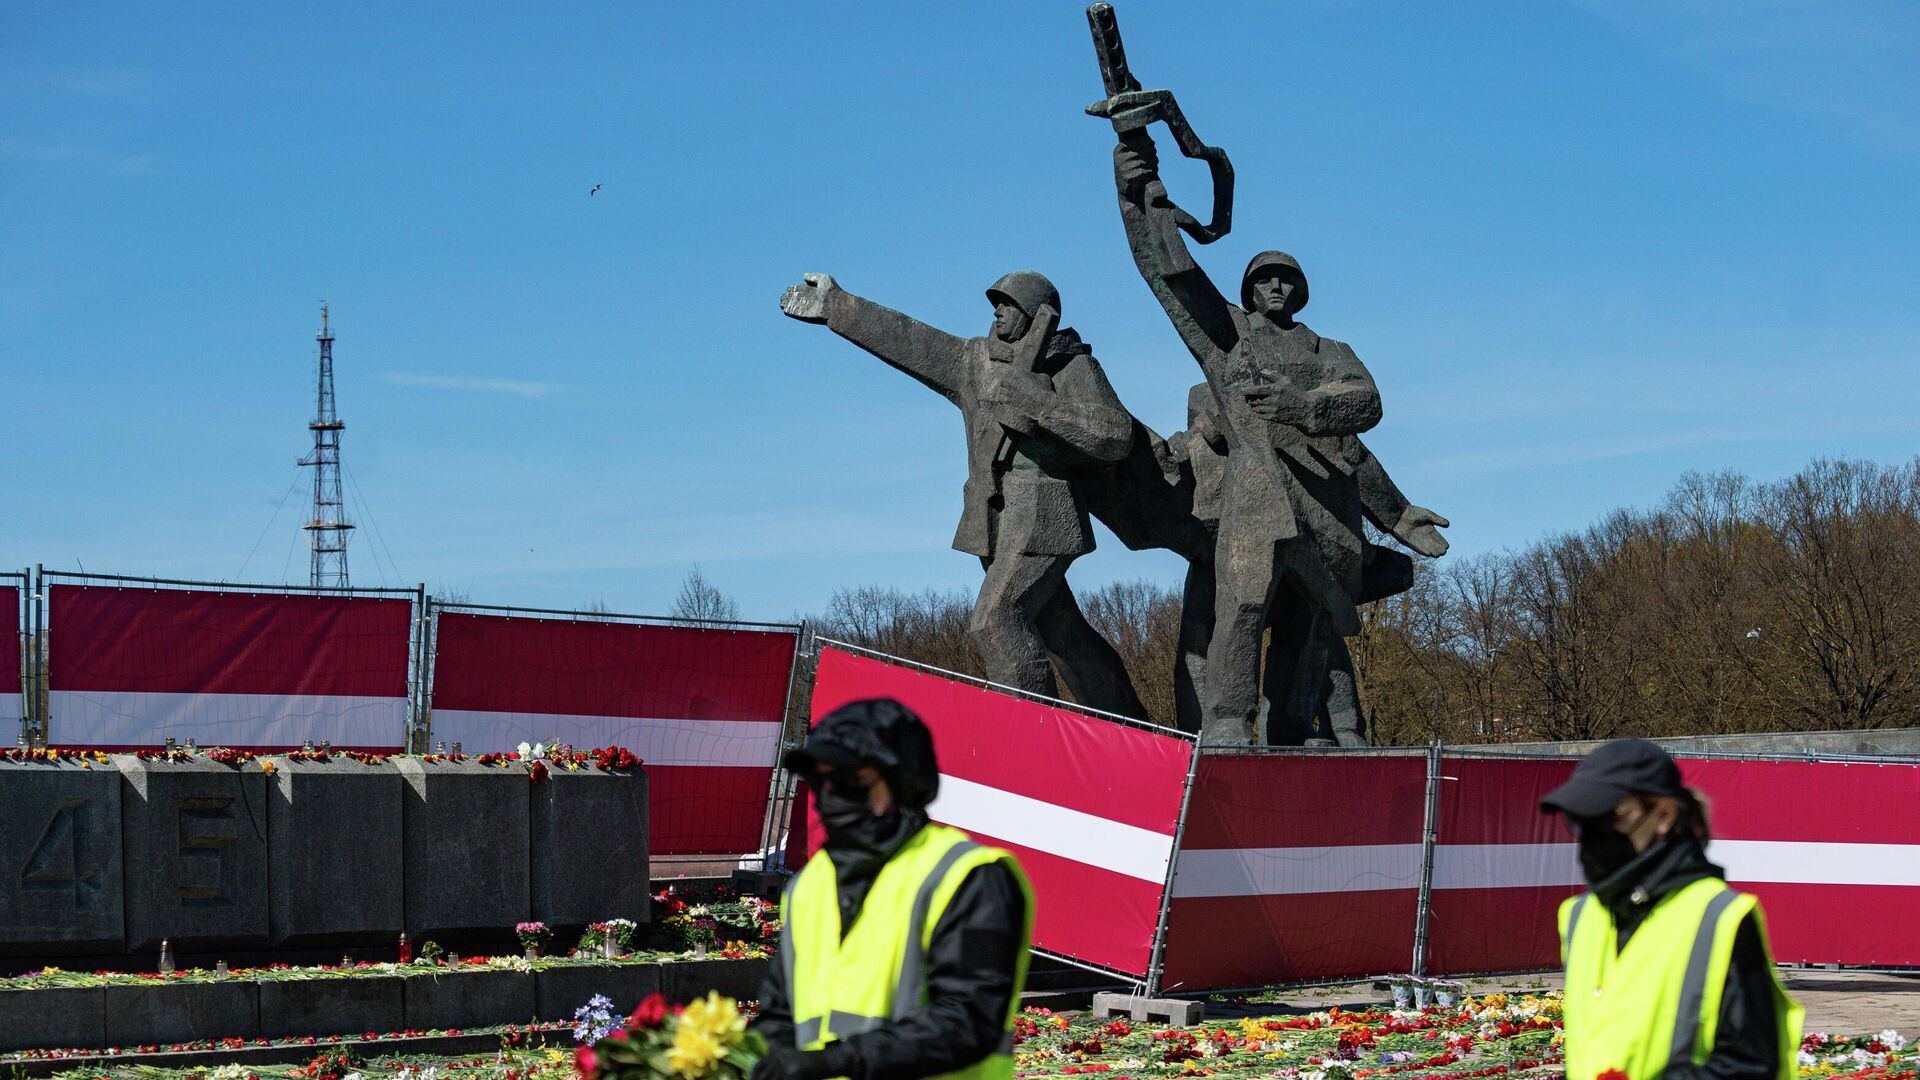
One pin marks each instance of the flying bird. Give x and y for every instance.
(595, 191)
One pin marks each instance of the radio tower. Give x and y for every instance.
(328, 527)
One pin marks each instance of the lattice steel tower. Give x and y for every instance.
(327, 528)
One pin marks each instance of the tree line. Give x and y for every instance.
(1735, 605)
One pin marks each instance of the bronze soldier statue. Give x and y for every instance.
(1040, 418)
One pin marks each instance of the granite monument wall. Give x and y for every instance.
(112, 857)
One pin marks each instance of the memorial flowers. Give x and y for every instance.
(533, 935)
(706, 1039)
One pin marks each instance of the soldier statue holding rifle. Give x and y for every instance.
(1289, 406)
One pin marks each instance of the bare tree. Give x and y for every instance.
(1848, 579)
(700, 599)
(1142, 622)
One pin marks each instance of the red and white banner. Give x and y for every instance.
(1810, 839)
(1296, 867)
(1832, 850)
(12, 698)
(701, 706)
(1500, 867)
(1087, 805)
(131, 667)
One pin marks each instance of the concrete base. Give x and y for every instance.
(35, 1019)
(684, 980)
(166, 1013)
(1175, 1011)
(560, 991)
(446, 1000)
(331, 1006)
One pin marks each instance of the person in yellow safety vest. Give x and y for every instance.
(903, 943)
(1669, 975)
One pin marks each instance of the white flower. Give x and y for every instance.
(1807, 1060)
(524, 750)
(1893, 1040)
(539, 749)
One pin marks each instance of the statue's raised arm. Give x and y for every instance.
(1153, 221)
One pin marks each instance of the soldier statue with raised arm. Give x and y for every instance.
(1040, 417)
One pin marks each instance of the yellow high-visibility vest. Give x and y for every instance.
(1656, 1003)
(841, 987)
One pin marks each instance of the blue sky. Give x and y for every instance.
(1583, 248)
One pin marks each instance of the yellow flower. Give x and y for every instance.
(693, 1052)
(703, 1034)
(266, 766)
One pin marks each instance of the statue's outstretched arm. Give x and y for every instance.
(1198, 311)
(1391, 512)
(932, 356)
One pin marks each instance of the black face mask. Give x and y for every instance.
(850, 823)
(1603, 850)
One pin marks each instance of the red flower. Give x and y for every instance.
(538, 772)
(650, 1013)
(584, 1062)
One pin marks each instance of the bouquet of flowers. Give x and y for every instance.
(707, 1040)
(532, 935)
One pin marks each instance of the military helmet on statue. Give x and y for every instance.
(1268, 261)
(1026, 290)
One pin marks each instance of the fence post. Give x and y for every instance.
(792, 727)
(422, 656)
(42, 707)
(22, 636)
(1156, 962)
(1423, 917)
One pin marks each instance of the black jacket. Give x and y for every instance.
(1746, 1045)
(970, 970)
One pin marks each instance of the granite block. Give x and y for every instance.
(440, 999)
(684, 980)
(465, 841)
(60, 868)
(561, 990)
(343, 1006)
(334, 852)
(589, 847)
(53, 1019)
(194, 839)
(177, 1012)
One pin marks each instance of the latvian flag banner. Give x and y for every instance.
(1088, 806)
(13, 703)
(130, 668)
(701, 706)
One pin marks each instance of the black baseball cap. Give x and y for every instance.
(880, 732)
(1616, 770)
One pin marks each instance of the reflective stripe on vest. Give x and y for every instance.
(1693, 985)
